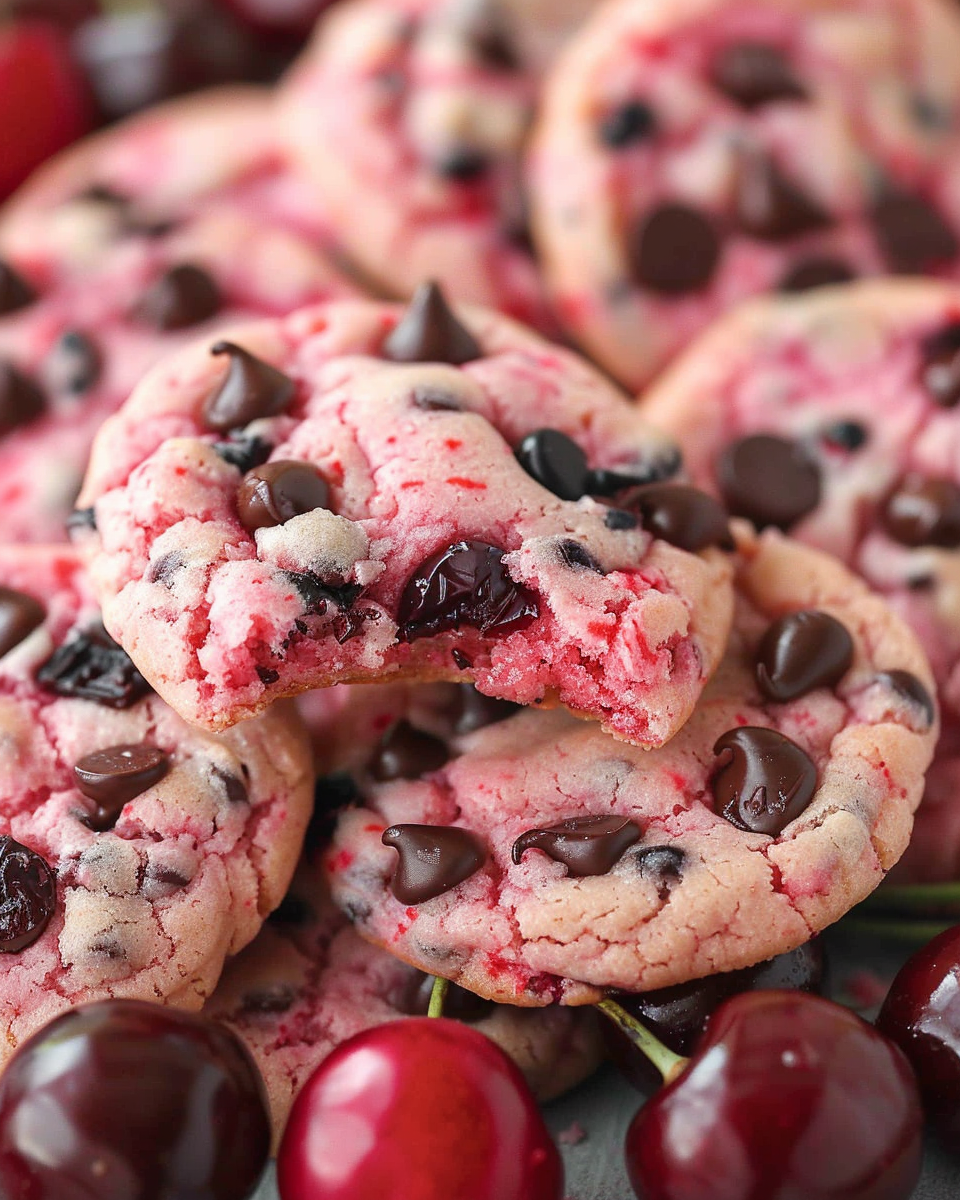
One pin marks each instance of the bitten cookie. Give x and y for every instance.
(539, 861)
(136, 853)
(361, 491)
(693, 153)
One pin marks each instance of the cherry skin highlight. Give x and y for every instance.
(421, 1109)
(788, 1097)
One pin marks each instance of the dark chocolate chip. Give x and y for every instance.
(316, 594)
(770, 480)
(464, 584)
(165, 568)
(112, 777)
(910, 687)
(845, 435)
(183, 296)
(91, 666)
(661, 864)
(434, 399)
(662, 465)
(407, 753)
(429, 331)
(632, 122)
(28, 895)
(433, 859)
(469, 710)
(244, 453)
(681, 515)
(81, 518)
(462, 164)
(20, 615)
(763, 780)
(278, 491)
(252, 390)
(914, 238)
(235, 788)
(15, 292)
(674, 251)
(584, 845)
(617, 519)
(576, 556)
(924, 512)
(267, 675)
(755, 73)
(816, 272)
(802, 651)
(770, 206)
(556, 462)
(73, 366)
(461, 661)
(414, 1000)
(331, 795)
(940, 372)
(21, 400)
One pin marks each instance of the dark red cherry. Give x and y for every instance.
(124, 1100)
(419, 1109)
(788, 1097)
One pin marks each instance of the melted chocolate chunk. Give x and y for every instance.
(468, 710)
(630, 123)
(407, 753)
(770, 480)
(21, 400)
(92, 666)
(462, 164)
(112, 777)
(845, 435)
(458, 1004)
(430, 332)
(28, 895)
(316, 594)
(755, 73)
(20, 615)
(81, 518)
(940, 372)
(183, 296)
(555, 461)
(576, 556)
(912, 690)
(924, 512)
(244, 453)
(584, 845)
(681, 515)
(464, 584)
(252, 390)
(770, 206)
(617, 519)
(815, 272)
(15, 292)
(675, 251)
(800, 652)
(763, 780)
(276, 492)
(914, 238)
(74, 365)
(433, 859)
(664, 465)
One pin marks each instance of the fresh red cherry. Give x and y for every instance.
(788, 1097)
(123, 1100)
(922, 1015)
(420, 1109)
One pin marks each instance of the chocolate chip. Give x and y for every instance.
(661, 864)
(430, 332)
(763, 780)
(469, 710)
(911, 689)
(268, 1000)
(112, 777)
(316, 594)
(576, 556)
(407, 753)
(20, 615)
(91, 666)
(755, 73)
(802, 651)
(81, 518)
(244, 453)
(331, 795)
(15, 292)
(631, 122)
(21, 400)
(235, 788)
(28, 895)
(433, 859)
(276, 492)
(914, 238)
(661, 466)
(252, 390)
(458, 1004)
(434, 399)
(924, 512)
(556, 462)
(267, 675)
(940, 372)
(816, 272)
(462, 165)
(845, 435)
(770, 480)
(584, 845)
(461, 661)
(681, 515)
(675, 250)
(164, 569)
(490, 40)
(464, 584)
(617, 519)
(768, 205)
(183, 296)
(74, 364)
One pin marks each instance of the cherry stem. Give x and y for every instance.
(667, 1063)
(437, 997)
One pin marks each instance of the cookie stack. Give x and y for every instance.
(592, 694)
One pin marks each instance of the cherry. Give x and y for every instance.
(922, 1015)
(788, 1097)
(125, 1100)
(419, 1109)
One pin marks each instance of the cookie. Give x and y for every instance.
(362, 490)
(428, 103)
(692, 154)
(542, 861)
(833, 415)
(136, 853)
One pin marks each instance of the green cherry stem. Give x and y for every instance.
(667, 1063)
(437, 997)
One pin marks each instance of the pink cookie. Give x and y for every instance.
(136, 853)
(835, 415)
(386, 526)
(694, 153)
(539, 861)
(411, 116)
